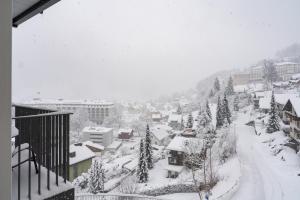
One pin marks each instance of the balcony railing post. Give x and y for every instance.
(48, 132)
(64, 147)
(29, 121)
(56, 148)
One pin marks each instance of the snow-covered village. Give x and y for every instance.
(152, 100)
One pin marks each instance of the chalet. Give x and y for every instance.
(176, 150)
(291, 115)
(125, 134)
(161, 135)
(156, 116)
(80, 160)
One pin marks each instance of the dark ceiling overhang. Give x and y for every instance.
(25, 9)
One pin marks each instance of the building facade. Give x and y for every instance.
(98, 135)
(97, 110)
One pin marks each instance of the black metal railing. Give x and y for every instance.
(46, 134)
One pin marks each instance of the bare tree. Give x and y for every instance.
(194, 159)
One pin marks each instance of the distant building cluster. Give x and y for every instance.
(285, 71)
(97, 110)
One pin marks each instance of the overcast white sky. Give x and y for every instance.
(139, 49)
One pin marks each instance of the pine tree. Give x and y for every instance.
(96, 178)
(236, 103)
(190, 121)
(229, 88)
(219, 115)
(182, 124)
(208, 112)
(217, 84)
(211, 93)
(226, 110)
(148, 148)
(142, 172)
(273, 123)
(179, 110)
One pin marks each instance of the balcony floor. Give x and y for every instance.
(45, 193)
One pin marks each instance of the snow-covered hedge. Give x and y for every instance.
(170, 189)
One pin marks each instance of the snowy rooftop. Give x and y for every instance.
(296, 105)
(96, 129)
(285, 63)
(125, 130)
(81, 153)
(92, 144)
(156, 116)
(265, 102)
(240, 88)
(160, 134)
(68, 101)
(174, 118)
(179, 143)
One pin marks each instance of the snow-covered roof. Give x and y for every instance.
(81, 153)
(96, 129)
(68, 102)
(174, 118)
(285, 63)
(114, 145)
(156, 116)
(125, 130)
(93, 144)
(296, 76)
(263, 94)
(179, 143)
(159, 134)
(265, 102)
(240, 88)
(281, 83)
(296, 105)
(174, 168)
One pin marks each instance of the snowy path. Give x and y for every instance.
(262, 177)
(257, 181)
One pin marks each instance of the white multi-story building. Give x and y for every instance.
(99, 135)
(97, 110)
(286, 70)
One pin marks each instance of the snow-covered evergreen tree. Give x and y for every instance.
(181, 124)
(142, 172)
(96, 178)
(217, 84)
(211, 93)
(226, 110)
(190, 121)
(208, 112)
(148, 148)
(219, 115)
(236, 103)
(179, 110)
(229, 88)
(273, 123)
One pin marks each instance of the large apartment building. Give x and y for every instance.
(97, 110)
(285, 71)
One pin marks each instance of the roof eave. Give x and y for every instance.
(35, 9)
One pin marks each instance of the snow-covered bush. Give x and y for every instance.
(81, 181)
(226, 144)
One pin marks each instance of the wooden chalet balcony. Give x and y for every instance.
(40, 156)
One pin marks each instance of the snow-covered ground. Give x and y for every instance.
(264, 176)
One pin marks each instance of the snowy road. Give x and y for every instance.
(258, 181)
(263, 177)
